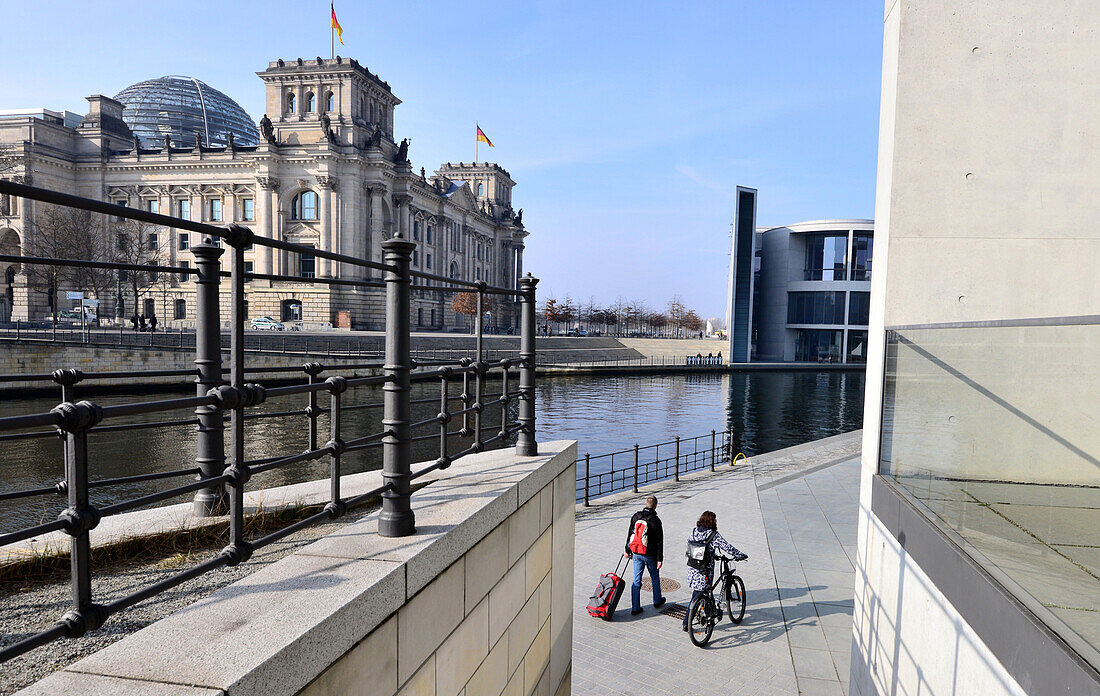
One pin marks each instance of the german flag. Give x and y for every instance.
(336, 24)
(482, 138)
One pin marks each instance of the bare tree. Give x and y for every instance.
(67, 233)
(134, 244)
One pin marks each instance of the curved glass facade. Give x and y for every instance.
(181, 107)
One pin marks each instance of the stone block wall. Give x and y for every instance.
(497, 621)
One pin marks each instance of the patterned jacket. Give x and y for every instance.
(699, 580)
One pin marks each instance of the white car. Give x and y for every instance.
(267, 324)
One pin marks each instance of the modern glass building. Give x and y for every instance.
(182, 107)
(811, 291)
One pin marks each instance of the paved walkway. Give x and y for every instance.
(794, 513)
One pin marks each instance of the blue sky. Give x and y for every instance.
(626, 125)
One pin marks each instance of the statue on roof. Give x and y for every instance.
(267, 130)
(137, 144)
(326, 125)
(230, 142)
(402, 152)
(519, 218)
(198, 140)
(167, 142)
(375, 139)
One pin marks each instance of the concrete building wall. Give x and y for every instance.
(987, 165)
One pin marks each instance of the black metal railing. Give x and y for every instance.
(598, 475)
(223, 472)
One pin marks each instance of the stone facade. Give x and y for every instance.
(327, 173)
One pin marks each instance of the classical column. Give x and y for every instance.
(264, 222)
(326, 267)
(401, 215)
(519, 262)
(376, 222)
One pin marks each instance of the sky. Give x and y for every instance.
(627, 126)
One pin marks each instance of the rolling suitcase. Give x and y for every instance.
(608, 592)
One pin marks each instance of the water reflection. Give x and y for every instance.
(764, 410)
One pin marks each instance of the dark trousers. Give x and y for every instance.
(695, 594)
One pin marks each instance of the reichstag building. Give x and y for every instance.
(322, 169)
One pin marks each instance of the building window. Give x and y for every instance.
(290, 103)
(183, 209)
(215, 209)
(416, 257)
(307, 265)
(248, 209)
(428, 261)
(432, 322)
(181, 309)
(154, 241)
(429, 234)
(479, 274)
(826, 256)
(311, 102)
(857, 346)
(123, 203)
(330, 101)
(481, 189)
(815, 307)
(817, 345)
(859, 308)
(185, 264)
(420, 316)
(184, 241)
(304, 206)
(248, 266)
(152, 206)
(416, 230)
(862, 247)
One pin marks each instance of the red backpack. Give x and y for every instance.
(640, 541)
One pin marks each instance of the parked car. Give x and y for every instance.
(267, 324)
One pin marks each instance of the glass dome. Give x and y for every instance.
(181, 107)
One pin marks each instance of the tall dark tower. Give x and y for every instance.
(742, 253)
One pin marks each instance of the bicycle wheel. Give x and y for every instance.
(700, 624)
(735, 599)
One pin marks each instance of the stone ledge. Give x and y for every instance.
(276, 630)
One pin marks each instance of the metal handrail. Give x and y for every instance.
(639, 472)
(221, 405)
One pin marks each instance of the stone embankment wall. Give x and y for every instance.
(478, 602)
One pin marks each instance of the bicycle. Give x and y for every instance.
(705, 612)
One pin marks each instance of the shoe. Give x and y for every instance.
(685, 629)
(635, 612)
(659, 603)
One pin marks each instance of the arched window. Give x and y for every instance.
(481, 189)
(290, 103)
(363, 108)
(304, 206)
(311, 102)
(454, 270)
(330, 101)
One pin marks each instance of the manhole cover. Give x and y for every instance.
(666, 585)
(676, 611)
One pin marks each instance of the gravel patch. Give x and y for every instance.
(30, 608)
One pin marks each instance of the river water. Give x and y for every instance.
(764, 411)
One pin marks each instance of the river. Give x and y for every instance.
(764, 411)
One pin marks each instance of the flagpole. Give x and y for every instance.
(331, 41)
(477, 142)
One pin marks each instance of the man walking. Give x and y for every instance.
(645, 542)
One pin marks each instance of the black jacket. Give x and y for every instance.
(655, 534)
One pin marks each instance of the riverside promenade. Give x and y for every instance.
(794, 512)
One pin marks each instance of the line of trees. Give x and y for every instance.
(60, 232)
(622, 317)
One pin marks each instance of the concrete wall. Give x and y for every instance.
(987, 165)
(477, 603)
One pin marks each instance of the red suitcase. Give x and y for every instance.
(608, 592)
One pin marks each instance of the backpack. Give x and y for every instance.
(699, 553)
(640, 541)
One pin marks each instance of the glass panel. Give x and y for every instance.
(216, 209)
(817, 345)
(826, 256)
(306, 265)
(862, 246)
(815, 307)
(248, 210)
(859, 308)
(996, 431)
(857, 346)
(184, 208)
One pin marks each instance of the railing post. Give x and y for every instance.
(526, 444)
(635, 467)
(79, 517)
(676, 473)
(312, 410)
(713, 452)
(479, 366)
(397, 518)
(210, 443)
(586, 463)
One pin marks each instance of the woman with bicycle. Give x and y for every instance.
(699, 578)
